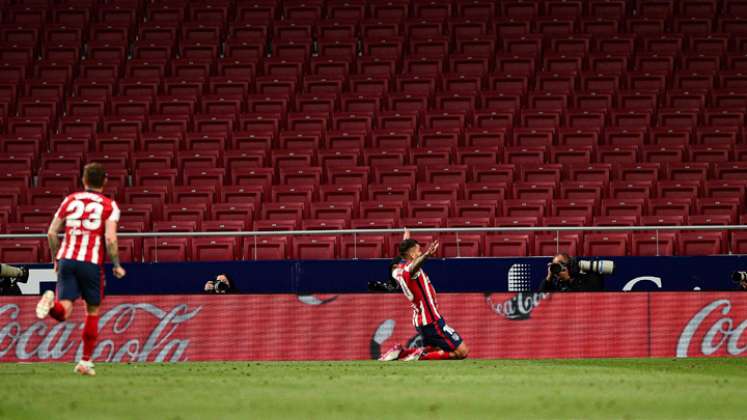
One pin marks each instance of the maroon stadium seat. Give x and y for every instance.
(214, 249)
(508, 245)
(739, 242)
(606, 244)
(166, 249)
(701, 243)
(315, 247)
(551, 244)
(265, 248)
(653, 244)
(461, 245)
(21, 251)
(364, 246)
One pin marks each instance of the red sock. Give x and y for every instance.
(436, 355)
(57, 312)
(90, 334)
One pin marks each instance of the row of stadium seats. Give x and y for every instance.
(378, 246)
(697, 194)
(377, 106)
(218, 12)
(364, 122)
(595, 181)
(696, 67)
(439, 213)
(363, 112)
(712, 161)
(725, 142)
(299, 40)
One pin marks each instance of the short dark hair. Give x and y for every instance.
(227, 278)
(405, 246)
(94, 175)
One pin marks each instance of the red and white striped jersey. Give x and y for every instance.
(419, 291)
(84, 214)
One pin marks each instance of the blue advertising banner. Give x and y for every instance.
(448, 275)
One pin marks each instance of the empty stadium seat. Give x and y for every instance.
(606, 244)
(461, 245)
(21, 251)
(701, 243)
(508, 245)
(214, 249)
(739, 242)
(551, 244)
(364, 246)
(653, 244)
(315, 247)
(166, 249)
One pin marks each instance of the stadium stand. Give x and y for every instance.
(281, 114)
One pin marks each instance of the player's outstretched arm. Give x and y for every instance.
(419, 261)
(112, 248)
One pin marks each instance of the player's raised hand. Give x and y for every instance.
(118, 271)
(432, 248)
(406, 235)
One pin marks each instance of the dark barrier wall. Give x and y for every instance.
(449, 275)
(361, 326)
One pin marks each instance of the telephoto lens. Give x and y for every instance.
(598, 266)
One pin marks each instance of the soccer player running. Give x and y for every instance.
(90, 222)
(440, 341)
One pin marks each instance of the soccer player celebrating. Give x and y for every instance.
(90, 222)
(440, 341)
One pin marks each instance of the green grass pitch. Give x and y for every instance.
(469, 389)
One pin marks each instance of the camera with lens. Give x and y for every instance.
(388, 285)
(220, 287)
(739, 277)
(557, 268)
(221, 284)
(575, 266)
(383, 286)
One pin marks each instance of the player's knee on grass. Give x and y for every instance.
(461, 352)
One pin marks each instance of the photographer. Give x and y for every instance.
(568, 274)
(10, 276)
(222, 284)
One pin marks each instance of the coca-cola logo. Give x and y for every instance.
(317, 299)
(724, 330)
(119, 338)
(631, 284)
(518, 307)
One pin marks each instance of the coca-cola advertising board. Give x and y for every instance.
(361, 326)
